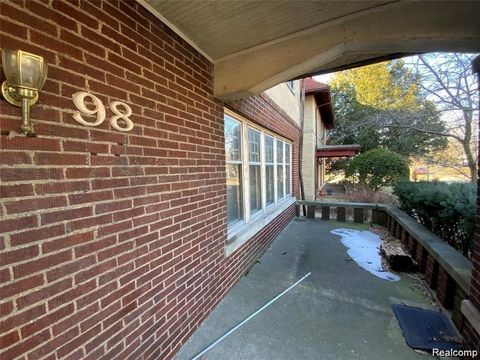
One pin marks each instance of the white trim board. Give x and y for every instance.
(163, 19)
(256, 225)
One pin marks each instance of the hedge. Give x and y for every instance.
(448, 210)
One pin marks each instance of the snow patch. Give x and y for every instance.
(364, 249)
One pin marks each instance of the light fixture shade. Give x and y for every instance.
(23, 69)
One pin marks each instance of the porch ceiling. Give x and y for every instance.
(258, 44)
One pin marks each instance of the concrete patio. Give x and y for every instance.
(341, 311)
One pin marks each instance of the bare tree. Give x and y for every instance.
(448, 81)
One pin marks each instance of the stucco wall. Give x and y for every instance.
(288, 100)
(309, 145)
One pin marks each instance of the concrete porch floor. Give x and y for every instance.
(340, 311)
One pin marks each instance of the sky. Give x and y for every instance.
(324, 78)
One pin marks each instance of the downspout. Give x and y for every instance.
(300, 153)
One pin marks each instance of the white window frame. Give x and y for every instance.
(273, 164)
(291, 85)
(240, 162)
(240, 231)
(285, 167)
(262, 170)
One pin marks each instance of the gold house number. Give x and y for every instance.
(99, 110)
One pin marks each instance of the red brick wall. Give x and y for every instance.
(475, 286)
(112, 244)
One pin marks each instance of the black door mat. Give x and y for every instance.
(426, 329)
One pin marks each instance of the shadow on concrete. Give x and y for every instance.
(341, 311)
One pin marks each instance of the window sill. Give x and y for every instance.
(241, 233)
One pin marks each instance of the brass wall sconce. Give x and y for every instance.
(26, 74)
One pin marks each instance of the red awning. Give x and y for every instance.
(333, 151)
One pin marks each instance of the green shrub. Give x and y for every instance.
(377, 168)
(448, 210)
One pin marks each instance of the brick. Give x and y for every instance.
(24, 174)
(114, 251)
(67, 242)
(112, 206)
(110, 229)
(80, 41)
(14, 158)
(95, 271)
(102, 89)
(43, 293)
(56, 45)
(30, 143)
(13, 256)
(92, 247)
(128, 214)
(120, 61)
(15, 190)
(59, 159)
(53, 344)
(95, 295)
(16, 43)
(4, 275)
(47, 13)
(27, 18)
(41, 323)
(70, 295)
(90, 197)
(78, 146)
(36, 235)
(69, 268)
(36, 204)
(6, 308)
(61, 187)
(18, 223)
(63, 215)
(73, 12)
(12, 28)
(118, 38)
(26, 345)
(100, 39)
(78, 173)
(20, 318)
(85, 223)
(100, 64)
(42, 263)
(116, 273)
(9, 339)
(78, 341)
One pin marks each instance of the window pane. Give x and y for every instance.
(253, 145)
(268, 149)
(255, 188)
(287, 179)
(234, 193)
(233, 139)
(279, 151)
(280, 181)
(287, 153)
(270, 184)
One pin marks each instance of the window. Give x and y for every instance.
(288, 186)
(258, 172)
(291, 85)
(254, 169)
(269, 170)
(280, 170)
(233, 152)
